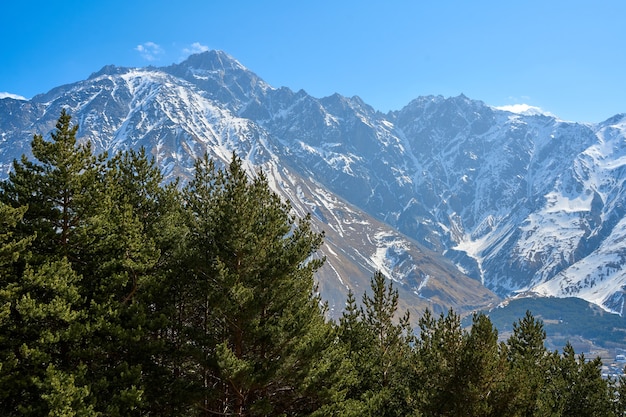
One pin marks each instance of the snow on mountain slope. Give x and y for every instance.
(357, 244)
(514, 198)
(177, 120)
(599, 276)
(499, 193)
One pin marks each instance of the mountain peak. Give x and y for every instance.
(221, 77)
(212, 60)
(618, 119)
(108, 70)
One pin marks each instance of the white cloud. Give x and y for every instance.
(149, 50)
(525, 109)
(10, 95)
(195, 48)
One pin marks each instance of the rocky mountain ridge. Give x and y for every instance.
(451, 198)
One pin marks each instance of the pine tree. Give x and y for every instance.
(391, 339)
(59, 188)
(578, 388)
(44, 327)
(528, 368)
(90, 245)
(437, 365)
(377, 351)
(391, 348)
(142, 232)
(482, 370)
(43, 311)
(350, 364)
(10, 252)
(260, 324)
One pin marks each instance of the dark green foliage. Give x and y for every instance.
(10, 248)
(40, 372)
(390, 352)
(376, 354)
(148, 236)
(439, 353)
(581, 390)
(527, 341)
(254, 313)
(482, 369)
(41, 329)
(72, 309)
(59, 189)
(528, 373)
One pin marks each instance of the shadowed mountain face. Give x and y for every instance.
(449, 197)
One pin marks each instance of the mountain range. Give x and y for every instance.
(461, 204)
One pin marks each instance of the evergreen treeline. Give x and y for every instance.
(120, 296)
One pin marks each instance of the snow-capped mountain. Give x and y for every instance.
(450, 197)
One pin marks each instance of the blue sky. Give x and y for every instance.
(566, 57)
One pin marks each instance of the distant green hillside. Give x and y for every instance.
(564, 318)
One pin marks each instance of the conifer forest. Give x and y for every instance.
(123, 295)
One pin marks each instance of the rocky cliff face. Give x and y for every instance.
(451, 198)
